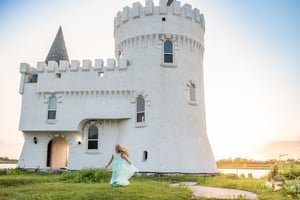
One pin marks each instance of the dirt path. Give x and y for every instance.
(216, 192)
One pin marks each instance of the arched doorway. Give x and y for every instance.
(57, 153)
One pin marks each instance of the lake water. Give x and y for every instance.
(256, 173)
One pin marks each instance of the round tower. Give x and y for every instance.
(164, 48)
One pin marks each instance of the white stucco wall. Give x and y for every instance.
(174, 134)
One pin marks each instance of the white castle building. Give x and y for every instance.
(150, 98)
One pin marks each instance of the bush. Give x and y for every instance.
(291, 171)
(292, 189)
(3, 171)
(273, 171)
(87, 176)
(17, 171)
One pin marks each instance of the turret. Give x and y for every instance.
(164, 45)
(58, 50)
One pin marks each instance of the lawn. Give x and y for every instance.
(88, 184)
(93, 184)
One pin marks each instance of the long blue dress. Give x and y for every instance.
(121, 171)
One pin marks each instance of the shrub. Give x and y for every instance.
(250, 175)
(86, 176)
(17, 171)
(273, 171)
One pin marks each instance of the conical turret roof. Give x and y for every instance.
(169, 2)
(58, 50)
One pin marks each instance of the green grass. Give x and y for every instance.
(91, 184)
(58, 190)
(76, 185)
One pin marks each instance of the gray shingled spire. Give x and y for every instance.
(169, 2)
(58, 50)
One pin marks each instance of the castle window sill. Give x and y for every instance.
(193, 103)
(140, 124)
(51, 121)
(92, 152)
(169, 65)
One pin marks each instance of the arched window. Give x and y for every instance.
(52, 103)
(93, 137)
(168, 51)
(140, 109)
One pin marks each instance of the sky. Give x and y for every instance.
(251, 66)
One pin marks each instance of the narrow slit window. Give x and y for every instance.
(145, 156)
(52, 104)
(192, 92)
(49, 152)
(140, 109)
(93, 137)
(168, 51)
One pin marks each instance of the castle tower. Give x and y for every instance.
(165, 46)
(150, 98)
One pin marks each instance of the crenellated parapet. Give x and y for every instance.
(176, 19)
(138, 11)
(75, 66)
(75, 69)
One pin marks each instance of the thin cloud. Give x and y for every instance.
(281, 149)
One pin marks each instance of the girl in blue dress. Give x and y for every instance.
(122, 168)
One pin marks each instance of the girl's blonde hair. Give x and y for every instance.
(122, 149)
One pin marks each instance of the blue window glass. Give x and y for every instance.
(93, 137)
(168, 51)
(140, 109)
(52, 103)
(168, 47)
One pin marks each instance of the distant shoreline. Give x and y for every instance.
(243, 166)
(9, 162)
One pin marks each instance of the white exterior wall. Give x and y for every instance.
(174, 134)
(81, 95)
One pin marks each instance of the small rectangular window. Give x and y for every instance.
(58, 75)
(93, 144)
(168, 58)
(33, 78)
(51, 114)
(140, 117)
(100, 74)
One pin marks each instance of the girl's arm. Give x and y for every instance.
(125, 158)
(112, 157)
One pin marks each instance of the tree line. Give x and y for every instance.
(252, 161)
(7, 159)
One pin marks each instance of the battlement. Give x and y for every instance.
(73, 74)
(75, 66)
(138, 11)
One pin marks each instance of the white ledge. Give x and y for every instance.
(193, 103)
(51, 121)
(170, 65)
